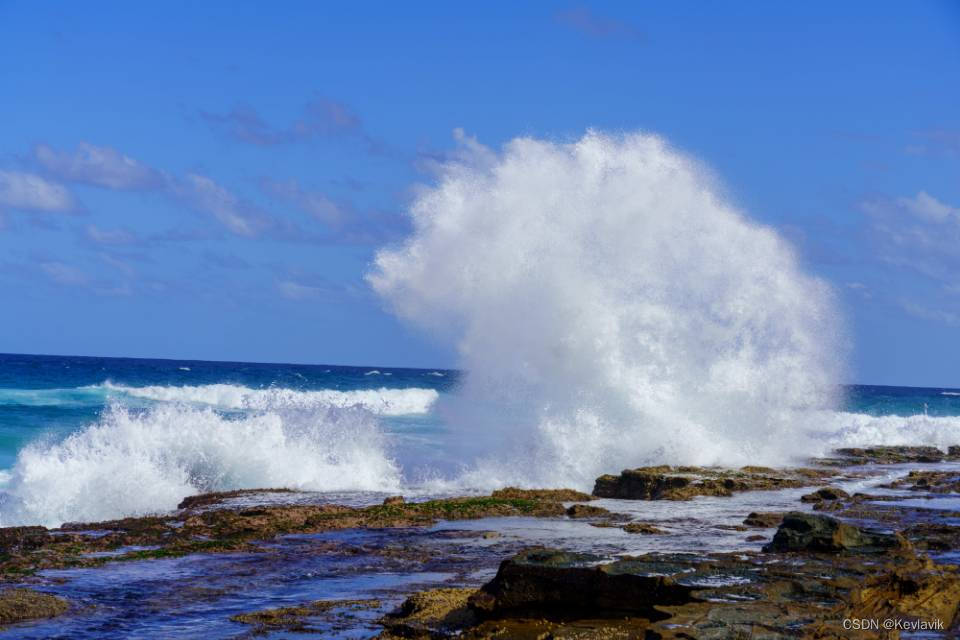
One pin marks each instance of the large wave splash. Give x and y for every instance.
(135, 462)
(611, 308)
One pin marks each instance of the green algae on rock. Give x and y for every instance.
(27, 549)
(20, 605)
(549, 495)
(297, 619)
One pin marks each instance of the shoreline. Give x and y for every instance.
(450, 566)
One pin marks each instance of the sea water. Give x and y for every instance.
(85, 439)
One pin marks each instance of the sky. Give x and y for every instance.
(211, 180)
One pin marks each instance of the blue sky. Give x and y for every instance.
(211, 180)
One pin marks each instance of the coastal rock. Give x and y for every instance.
(822, 534)
(218, 497)
(560, 583)
(394, 500)
(764, 520)
(23, 539)
(826, 493)
(430, 614)
(234, 528)
(683, 483)
(550, 593)
(19, 605)
(642, 528)
(550, 495)
(928, 481)
(587, 511)
(893, 455)
(297, 619)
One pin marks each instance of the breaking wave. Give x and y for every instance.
(611, 308)
(860, 430)
(383, 401)
(134, 462)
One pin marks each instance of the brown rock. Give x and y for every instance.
(394, 500)
(18, 605)
(826, 493)
(432, 613)
(552, 495)
(683, 483)
(764, 520)
(587, 511)
(822, 534)
(642, 528)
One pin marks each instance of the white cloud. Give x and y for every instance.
(312, 202)
(98, 166)
(63, 273)
(30, 192)
(203, 194)
(921, 233)
(110, 236)
(926, 207)
(296, 291)
(937, 315)
(321, 118)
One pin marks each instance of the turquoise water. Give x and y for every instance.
(95, 438)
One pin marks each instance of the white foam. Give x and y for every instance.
(383, 401)
(140, 462)
(611, 308)
(843, 429)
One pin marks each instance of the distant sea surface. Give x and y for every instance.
(90, 438)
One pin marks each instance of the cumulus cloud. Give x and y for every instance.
(30, 192)
(98, 166)
(584, 20)
(321, 118)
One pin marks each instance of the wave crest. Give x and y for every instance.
(139, 462)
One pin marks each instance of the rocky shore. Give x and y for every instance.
(880, 557)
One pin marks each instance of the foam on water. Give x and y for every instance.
(383, 401)
(611, 308)
(137, 462)
(846, 429)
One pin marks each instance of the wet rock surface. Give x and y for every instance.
(887, 554)
(822, 534)
(301, 619)
(28, 549)
(684, 483)
(850, 456)
(825, 495)
(19, 605)
(549, 593)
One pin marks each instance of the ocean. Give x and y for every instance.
(86, 439)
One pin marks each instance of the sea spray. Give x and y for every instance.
(134, 462)
(611, 309)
